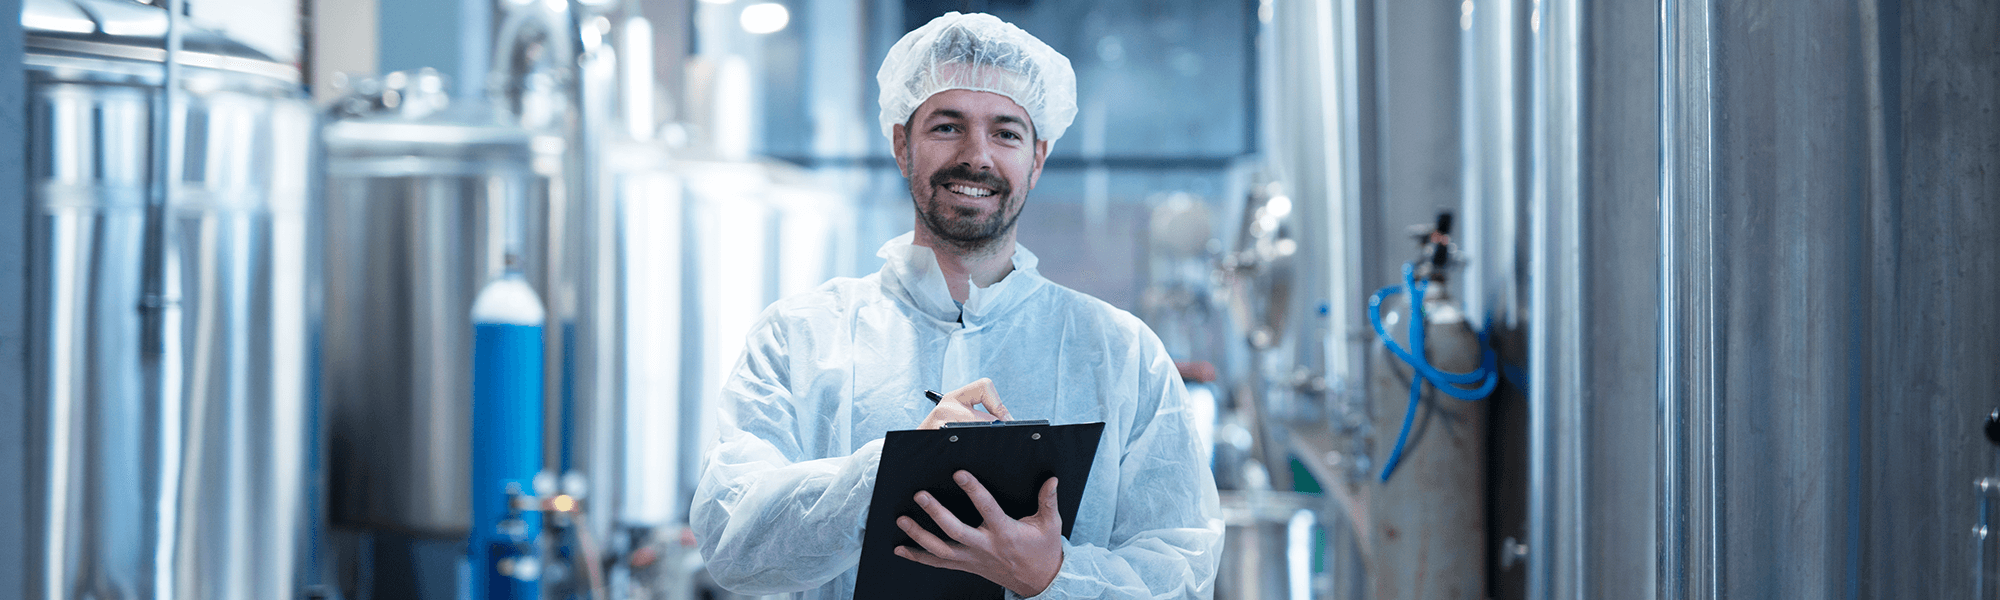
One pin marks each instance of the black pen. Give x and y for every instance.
(934, 396)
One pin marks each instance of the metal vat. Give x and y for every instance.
(181, 467)
(1826, 333)
(1278, 548)
(418, 218)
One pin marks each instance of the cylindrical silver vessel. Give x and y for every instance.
(1829, 244)
(196, 484)
(1273, 541)
(420, 213)
(633, 454)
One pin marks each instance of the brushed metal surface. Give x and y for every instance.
(1556, 352)
(1618, 261)
(417, 219)
(1688, 355)
(1826, 362)
(203, 491)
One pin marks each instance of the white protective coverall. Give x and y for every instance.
(827, 373)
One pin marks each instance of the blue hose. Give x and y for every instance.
(1487, 375)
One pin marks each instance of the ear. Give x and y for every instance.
(899, 144)
(1041, 156)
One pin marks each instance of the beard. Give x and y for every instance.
(965, 228)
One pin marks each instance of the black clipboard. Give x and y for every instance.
(1012, 460)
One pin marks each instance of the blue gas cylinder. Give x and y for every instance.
(507, 393)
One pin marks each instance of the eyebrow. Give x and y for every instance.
(952, 113)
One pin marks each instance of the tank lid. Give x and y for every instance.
(123, 29)
(61, 17)
(379, 133)
(437, 145)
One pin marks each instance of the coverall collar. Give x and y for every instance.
(911, 273)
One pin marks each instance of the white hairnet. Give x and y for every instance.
(977, 52)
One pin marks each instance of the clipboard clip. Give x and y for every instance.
(969, 424)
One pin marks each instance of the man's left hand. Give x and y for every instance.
(1022, 555)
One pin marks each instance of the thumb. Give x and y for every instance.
(1049, 512)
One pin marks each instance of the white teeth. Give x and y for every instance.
(971, 191)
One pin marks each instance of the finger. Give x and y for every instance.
(919, 555)
(953, 409)
(931, 544)
(977, 388)
(982, 394)
(972, 414)
(989, 397)
(989, 509)
(1049, 512)
(946, 521)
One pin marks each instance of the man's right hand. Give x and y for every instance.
(957, 406)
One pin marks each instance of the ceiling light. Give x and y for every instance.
(768, 17)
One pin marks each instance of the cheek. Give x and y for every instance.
(1024, 174)
(923, 164)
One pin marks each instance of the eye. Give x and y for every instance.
(1009, 134)
(945, 128)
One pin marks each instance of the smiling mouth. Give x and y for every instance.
(969, 191)
(964, 182)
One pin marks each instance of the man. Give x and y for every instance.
(971, 105)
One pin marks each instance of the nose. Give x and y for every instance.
(976, 152)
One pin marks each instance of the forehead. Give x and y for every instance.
(973, 105)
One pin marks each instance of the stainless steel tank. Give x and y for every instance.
(1829, 242)
(643, 247)
(422, 209)
(180, 468)
(1273, 540)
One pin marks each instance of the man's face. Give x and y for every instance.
(971, 159)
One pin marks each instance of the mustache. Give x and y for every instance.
(963, 172)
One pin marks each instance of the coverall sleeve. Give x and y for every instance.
(767, 521)
(1166, 541)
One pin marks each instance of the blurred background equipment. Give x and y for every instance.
(170, 310)
(1706, 317)
(1422, 532)
(507, 323)
(424, 205)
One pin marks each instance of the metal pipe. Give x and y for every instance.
(1687, 525)
(1557, 475)
(158, 305)
(1671, 526)
(595, 399)
(17, 393)
(1562, 24)
(1298, 554)
(1541, 433)
(1341, 220)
